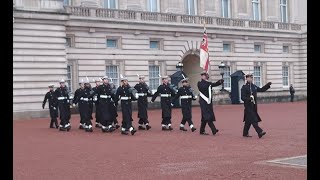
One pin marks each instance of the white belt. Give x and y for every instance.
(125, 98)
(62, 98)
(84, 99)
(185, 97)
(105, 96)
(141, 94)
(165, 95)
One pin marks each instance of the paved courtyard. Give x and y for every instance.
(43, 153)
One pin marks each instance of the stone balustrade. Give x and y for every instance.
(178, 18)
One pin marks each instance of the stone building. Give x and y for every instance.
(75, 39)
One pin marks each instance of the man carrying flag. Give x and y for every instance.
(205, 88)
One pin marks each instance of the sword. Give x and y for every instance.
(252, 95)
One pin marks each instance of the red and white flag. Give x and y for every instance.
(204, 52)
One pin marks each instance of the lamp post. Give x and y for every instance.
(221, 68)
(179, 66)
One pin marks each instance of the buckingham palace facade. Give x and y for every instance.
(75, 39)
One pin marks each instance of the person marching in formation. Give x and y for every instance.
(114, 106)
(249, 97)
(105, 98)
(185, 93)
(64, 106)
(76, 100)
(126, 96)
(90, 101)
(142, 93)
(84, 106)
(205, 100)
(53, 106)
(96, 103)
(165, 92)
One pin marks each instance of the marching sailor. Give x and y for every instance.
(185, 93)
(53, 106)
(205, 100)
(142, 95)
(126, 96)
(64, 106)
(76, 100)
(96, 103)
(249, 97)
(166, 92)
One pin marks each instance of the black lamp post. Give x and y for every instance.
(222, 68)
(179, 66)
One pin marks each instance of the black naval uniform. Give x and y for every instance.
(64, 107)
(96, 103)
(165, 92)
(75, 101)
(53, 107)
(143, 93)
(84, 107)
(105, 98)
(91, 104)
(292, 91)
(113, 109)
(251, 115)
(186, 95)
(205, 100)
(126, 96)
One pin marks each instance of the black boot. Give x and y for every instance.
(56, 123)
(183, 129)
(193, 129)
(203, 133)
(262, 134)
(170, 128)
(51, 124)
(133, 131)
(117, 126)
(215, 132)
(124, 132)
(148, 127)
(164, 128)
(61, 128)
(141, 128)
(89, 129)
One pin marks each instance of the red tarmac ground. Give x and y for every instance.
(47, 154)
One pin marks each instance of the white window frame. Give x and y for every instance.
(288, 77)
(229, 77)
(259, 9)
(156, 76)
(116, 80)
(150, 6)
(222, 9)
(69, 79)
(281, 11)
(257, 77)
(108, 4)
(195, 2)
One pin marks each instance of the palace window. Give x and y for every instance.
(190, 7)
(113, 73)
(154, 79)
(226, 77)
(225, 8)
(284, 10)
(285, 76)
(257, 75)
(256, 14)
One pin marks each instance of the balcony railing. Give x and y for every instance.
(177, 18)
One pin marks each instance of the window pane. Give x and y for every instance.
(154, 44)
(285, 49)
(112, 4)
(65, 2)
(111, 43)
(190, 7)
(256, 11)
(257, 75)
(154, 79)
(257, 48)
(112, 72)
(226, 48)
(226, 77)
(69, 78)
(68, 42)
(225, 8)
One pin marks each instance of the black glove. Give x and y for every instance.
(269, 83)
(221, 81)
(42, 106)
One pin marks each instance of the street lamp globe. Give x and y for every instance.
(179, 66)
(221, 68)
